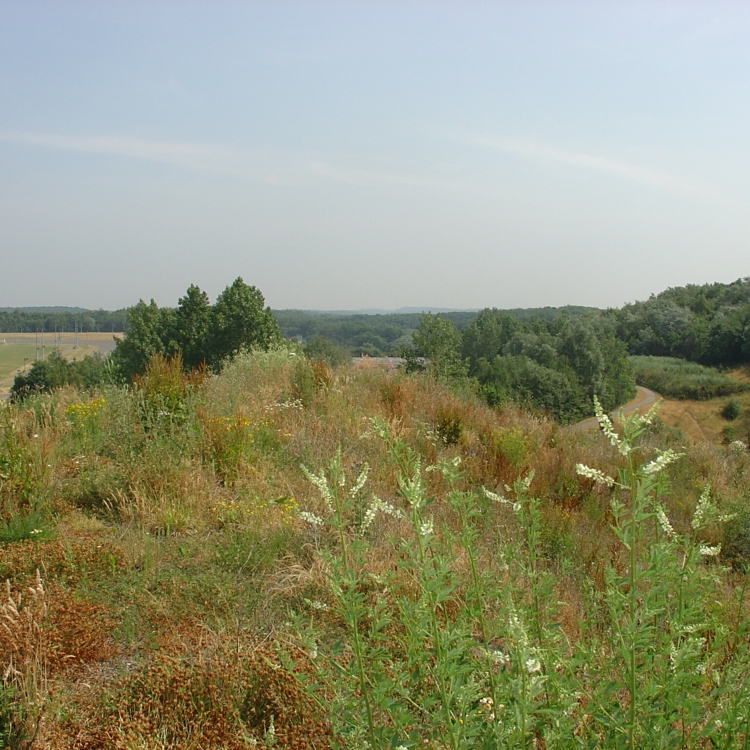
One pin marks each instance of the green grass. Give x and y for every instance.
(12, 357)
(677, 378)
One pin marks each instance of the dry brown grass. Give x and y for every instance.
(46, 633)
(215, 694)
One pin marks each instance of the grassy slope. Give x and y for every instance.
(179, 558)
(702, 421)
(680, 379)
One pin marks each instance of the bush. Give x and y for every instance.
(731, 410)
(321, 349)
(56, 371)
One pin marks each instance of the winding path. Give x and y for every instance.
(644, 397)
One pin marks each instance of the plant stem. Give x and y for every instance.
(352, 606)
(632, 598)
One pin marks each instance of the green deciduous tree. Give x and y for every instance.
(238, 321)
(438, 340)
(148, 334)
(199, 332)
(191, 323)
(486, 336)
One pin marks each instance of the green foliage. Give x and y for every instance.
(148, 331)
(677, 378)
(191, 325)
(200, 333)
(52, 320)
(32, 524)
(6, 715)
(731, 409)
(709, 324)
(374, 335)
(56, 371)
(555, 366)
(21, 468)
(239, 321)
(520, 379)
(512, 445)
(438, 340)
(324, 350)
(487, 336)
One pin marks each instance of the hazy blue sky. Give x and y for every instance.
(372, 154)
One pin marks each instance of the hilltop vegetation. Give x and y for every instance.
(553, 360)
(439, 574)
(676, 378)
(709, 324)
(224, 543)
(554, 364)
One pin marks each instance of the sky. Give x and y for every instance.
(350, 155)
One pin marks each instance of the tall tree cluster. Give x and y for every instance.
(556, 366)
(709, 324)
(203, 334)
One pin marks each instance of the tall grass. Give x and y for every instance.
(438, 575)
(677, 378)
(443, 655)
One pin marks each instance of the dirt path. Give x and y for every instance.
(644, 398)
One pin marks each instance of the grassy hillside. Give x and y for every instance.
(177, 579)
(677, 378)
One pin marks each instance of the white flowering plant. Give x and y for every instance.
(656, 594)
(451, 650)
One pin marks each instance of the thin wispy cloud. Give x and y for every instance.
(266, 165)
(541, 152)
(198, 156)
(369, 178)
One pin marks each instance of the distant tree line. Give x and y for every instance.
(88, 321)
(386, 334)
(360, 334)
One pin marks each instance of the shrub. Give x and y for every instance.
(731, 410)
(512, 444)
(56, 371)
(321, 349)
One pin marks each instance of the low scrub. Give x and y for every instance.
(677, 378)
(287, 554)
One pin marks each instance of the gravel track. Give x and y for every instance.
(644, 397)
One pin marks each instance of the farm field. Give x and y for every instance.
(18, 350)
